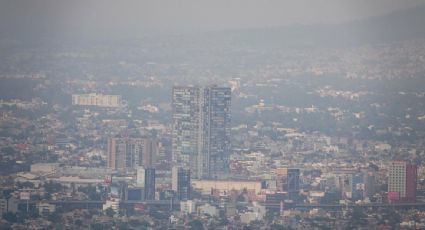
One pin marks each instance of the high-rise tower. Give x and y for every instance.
(186, 127)
(181, 183)
(402, 180)
(201, 130)
(150, 184)
(293, 183)
(128, 153)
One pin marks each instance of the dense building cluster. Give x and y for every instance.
(227, 135)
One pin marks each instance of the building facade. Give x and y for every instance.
(402, 181)
(129, 153)
(99, 100)
(201, 130)
(181, 183)
(186, 127)
(292, 185)
(150, 184)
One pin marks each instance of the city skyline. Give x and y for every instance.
(224, 114)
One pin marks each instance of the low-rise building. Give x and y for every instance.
(208, 209)
(188, 206)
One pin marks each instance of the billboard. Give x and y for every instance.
(393, 196)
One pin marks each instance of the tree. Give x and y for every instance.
(8, 150)
(246, 227)
(110, 212)
(52, 187)
(358, 219)
(196, 225)
(224, 220)
(392, 217)
(22, 216)
(122, 226)
(90, 191)
(54, 217)
(25, 184)
(159, 215)
(10, 217)
(270, 215)
(91, 213)
(78, 222)
(5, 227)
(277, 227)
(97, 226)
(240, 198)
(7, 193)
(135, 223)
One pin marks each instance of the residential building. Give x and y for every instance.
(129, 153)
(402, 181)
(201, 130)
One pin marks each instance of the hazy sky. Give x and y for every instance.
(77, 16)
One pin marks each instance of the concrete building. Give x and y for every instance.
(140, 176)
(205, 186)
(254, 213)
(208, 209)
(281, 174)
(230, 210)
(100, 100)
(76, 181)
(129, 153)
(370, 184)
(201, 130)
(188, 206)
(150, 184)
(181, 183)
(45, 208)
(8, 205)
(45, 168)
(3, 206)
(292, 185)
(113, 203)
(402, 181)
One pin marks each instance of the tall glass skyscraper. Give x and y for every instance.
(201, 130)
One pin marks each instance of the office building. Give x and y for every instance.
(129, 153)
(402, 181)
(216, 132)
(281, 176)
(186, 127)
(181, 183)
(150, 184)
(201, 130)
(292, 185)
(369, 184)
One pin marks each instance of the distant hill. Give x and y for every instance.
(399, 25)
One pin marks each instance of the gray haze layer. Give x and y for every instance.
(131, 17)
